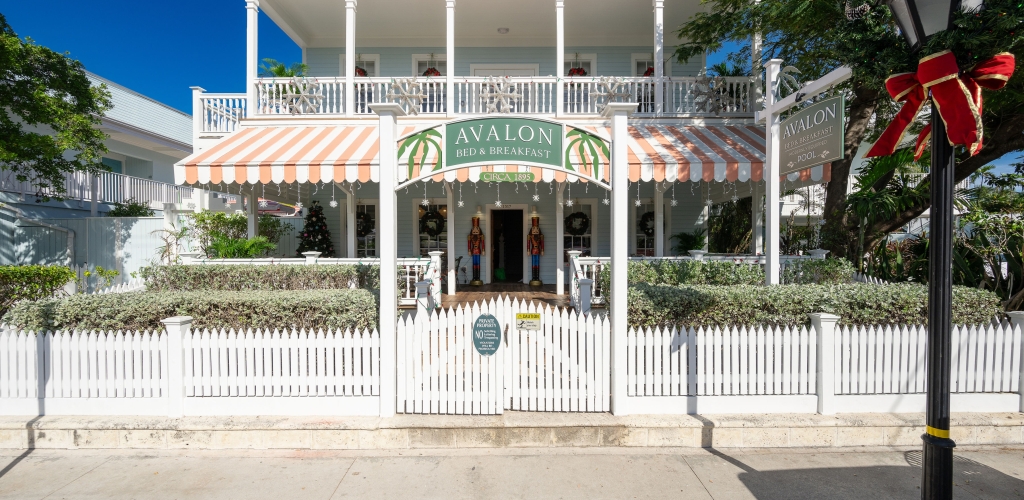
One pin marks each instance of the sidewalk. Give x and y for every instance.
(864, 473)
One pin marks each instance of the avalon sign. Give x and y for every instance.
(504, 140)
(812, 136)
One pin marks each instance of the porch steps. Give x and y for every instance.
(513, 430)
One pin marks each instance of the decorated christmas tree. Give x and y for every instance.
(315, 236)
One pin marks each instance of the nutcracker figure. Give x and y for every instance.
(476, 249)
(535, 245)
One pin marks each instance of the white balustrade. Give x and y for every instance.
(221, 112)
(288, 96)
(110, 188)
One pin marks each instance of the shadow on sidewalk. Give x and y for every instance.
(971, 479)
(28, 451)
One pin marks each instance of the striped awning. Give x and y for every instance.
(707, 153)
(286, 154)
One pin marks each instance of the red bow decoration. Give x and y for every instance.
(957, 96)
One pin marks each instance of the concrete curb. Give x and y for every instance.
(510, 430)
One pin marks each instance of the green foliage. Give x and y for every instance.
(41, 88)
(271, 68)
(271, 228)
(685, 242)
(104, 277)
(206, 225)
(729, 229)
(247, 277)
(31, 283)
(209, 309)
(223, 247)
(687, 272)
(315, 236)
(819, 272)
(855, 304)
(131, 208)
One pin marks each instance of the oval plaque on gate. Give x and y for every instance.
(486, 334)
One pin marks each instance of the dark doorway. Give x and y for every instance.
(506, 246)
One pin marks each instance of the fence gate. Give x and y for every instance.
(564, 366)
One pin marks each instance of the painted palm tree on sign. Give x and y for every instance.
(586, 146)
(419, 147)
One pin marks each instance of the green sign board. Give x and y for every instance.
(812, 136)
(506, 177)
(486, 334)
(521, 141)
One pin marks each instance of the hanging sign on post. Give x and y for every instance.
(486, 334)
(812, 136)
(528, 321)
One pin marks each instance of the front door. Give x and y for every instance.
(506, 246)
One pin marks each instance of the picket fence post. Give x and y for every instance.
(1017, 321)
(177, 328)
(825, 328)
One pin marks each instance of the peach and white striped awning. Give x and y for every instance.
(286, 154)
(707, 153)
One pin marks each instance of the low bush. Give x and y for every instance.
(251, 277)
(223, 247)
(209, 309)
(819, 272)
(31, 283)
(709, 272)
(855, 304)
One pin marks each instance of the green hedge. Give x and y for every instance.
(693, 272)
(31, 283)
(210, 309)
(855, 304)
(252, 277)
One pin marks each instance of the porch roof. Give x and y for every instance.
(658, 153)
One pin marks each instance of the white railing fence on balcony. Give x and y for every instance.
(182, 371)
(410, 269)
(109, 187)
(824, 369)
(288, 96)
(220, 113)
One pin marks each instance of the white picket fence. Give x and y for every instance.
(218, 372)
(824, 369)
(562, 367)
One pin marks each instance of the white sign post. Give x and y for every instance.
(773, 108)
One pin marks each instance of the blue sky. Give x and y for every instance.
(161, 49)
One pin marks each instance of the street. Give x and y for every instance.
(852, 473)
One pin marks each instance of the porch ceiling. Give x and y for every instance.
(531, 23)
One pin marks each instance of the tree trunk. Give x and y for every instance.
(862, 107)
(1006, 137)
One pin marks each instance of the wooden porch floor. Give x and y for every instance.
(467, 294)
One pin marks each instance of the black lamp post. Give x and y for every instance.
(919, 19)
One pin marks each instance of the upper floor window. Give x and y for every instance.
(367, 62)
(586, 62)
(643, 65)
(423, 62)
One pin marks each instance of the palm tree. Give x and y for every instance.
(271, 68)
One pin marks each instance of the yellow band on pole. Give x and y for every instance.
(941, 433)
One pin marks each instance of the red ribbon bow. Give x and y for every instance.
(957, 96)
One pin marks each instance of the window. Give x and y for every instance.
(428, 242)
(116, 166)
(582, 242)
(644, 62)
(586, 61)
(642, 244)
(369, 62)
(420, 63)
(366, 230)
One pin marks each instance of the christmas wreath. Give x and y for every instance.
(360, 71)
(577, 72)
(577, 224)
(649, 72)
(364, 224)
(432, 223)
(646, 224)
(431, 71)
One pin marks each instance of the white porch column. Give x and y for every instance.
(350, 220)
(619, 114)
(198, 117)
(452, 272)
(252, 225)
(659, 56)
(449, 78)
(756, 214)
(771, 179)
(387, 249)
(252, 56)
(559, 241)
(350, 57)
(659, 222)
(559, 63)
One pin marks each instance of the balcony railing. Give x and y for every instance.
(580, 96)
(105, 187)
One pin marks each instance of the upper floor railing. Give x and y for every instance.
(546, 96)
(104, 187)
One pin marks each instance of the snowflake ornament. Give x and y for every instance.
(536, 197)
(568, 202)
(611, 89)
(461, 203)
(425, 202)
(298, 206)
(409, 93)
(334, 204)
(303, 96)
(708, 92)
(708, 202)
(735, 198)
(637, 202)
(264, 204)
(606, 201)
(674, 202)
(497, 203)
(499, 94)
